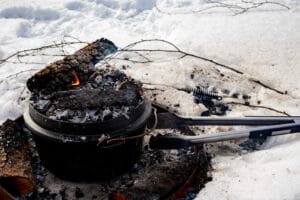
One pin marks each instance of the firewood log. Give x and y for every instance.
(59, 75)
(128, 95)
(16, 174)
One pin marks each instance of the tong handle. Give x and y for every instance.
(180, 141)
(170, 120)
(236, 121)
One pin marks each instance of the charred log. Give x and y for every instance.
(128, 95)
(59, 75)
(15, 164)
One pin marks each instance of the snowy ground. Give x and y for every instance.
(263, 42)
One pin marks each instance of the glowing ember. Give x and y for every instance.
(76, 81)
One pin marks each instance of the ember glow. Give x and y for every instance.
(76, 81)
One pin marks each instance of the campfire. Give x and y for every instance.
(96, 126)
(89, 124)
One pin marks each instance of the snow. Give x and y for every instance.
(263, 42)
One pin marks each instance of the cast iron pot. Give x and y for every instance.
(73, 150)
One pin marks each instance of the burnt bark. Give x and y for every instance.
(129, 94)
(16, 173)
(58, 75)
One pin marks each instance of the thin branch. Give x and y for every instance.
(262, 107)
(184, 54)
(17, 74)
(235, 8)
(27, 63)
(266, 86)
(20, 98)
(151, 40)
(131, 60)
(21, 53)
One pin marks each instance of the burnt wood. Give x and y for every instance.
(16, 173)
(128, 95)
(58, 75)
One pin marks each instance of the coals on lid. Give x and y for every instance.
(107, 94)
(73, 90)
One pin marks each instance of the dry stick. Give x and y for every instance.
(18, 73)
(230, 7)
(151, 40)
(133, 61)
(27, 63)
(235, 8)
(37, 49)
(177, 50)
(185, 54)
(266, 86)
(256, 106)
(21, 94)
(258, 4)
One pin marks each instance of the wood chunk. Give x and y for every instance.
(16, 174)
(58, 75)
(128, 95)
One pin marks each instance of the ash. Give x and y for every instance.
(107, 94)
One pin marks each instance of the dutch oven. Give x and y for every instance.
(74, 151)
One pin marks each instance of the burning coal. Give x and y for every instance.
(76, 81)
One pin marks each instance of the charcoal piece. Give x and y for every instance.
(128, 95)
(59, 75)
(16, 174)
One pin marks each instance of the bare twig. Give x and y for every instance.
(176, 49)
(257, 106)
(236, 8)
(28, 52)
(17, 74)
(131, 60)
(268, 87)
(20, 98)
(27, 63)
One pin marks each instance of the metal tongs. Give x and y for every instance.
(273, 126)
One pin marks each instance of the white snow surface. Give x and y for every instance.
(263, 42)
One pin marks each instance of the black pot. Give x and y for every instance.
(72, 150)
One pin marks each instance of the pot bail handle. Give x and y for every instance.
(123, 139)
